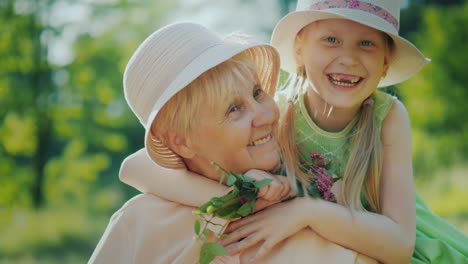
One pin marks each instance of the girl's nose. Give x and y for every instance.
(348, 57)
(264, 114)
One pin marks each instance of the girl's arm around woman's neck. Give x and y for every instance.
(181, 186)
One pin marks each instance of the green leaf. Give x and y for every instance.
(204, 207)
(231, 180)
(246, 178)
(238, 185)
(230, 215)
(314, 191)
(246, 208)
(196, 227)
(228, 211)
(210, 209)
(209, 251)
(228, 198)
(251, 195)
(217, 202)
(248, 185)
(217, 249)
(262, 183)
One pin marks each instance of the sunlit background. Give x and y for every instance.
(65, 127)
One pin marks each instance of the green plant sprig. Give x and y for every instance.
(239, 202)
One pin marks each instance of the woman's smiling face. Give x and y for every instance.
(222, 117)
(238, 133)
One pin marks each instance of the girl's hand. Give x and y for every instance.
(277, 190)
(261, 203)
(271, 226)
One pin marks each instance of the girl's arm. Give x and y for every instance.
(388, 238)
(181, 186)
(188, 188)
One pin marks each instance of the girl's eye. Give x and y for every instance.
(331, 40)
(257, 92)
(367, 43)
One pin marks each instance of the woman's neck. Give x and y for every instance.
(327, 117)
(204, 168)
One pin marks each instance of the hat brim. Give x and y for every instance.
(406, 59)
(265, 59)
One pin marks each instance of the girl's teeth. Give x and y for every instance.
(343, 83)
(350, 82)
(260, 141)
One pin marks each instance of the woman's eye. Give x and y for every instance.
(331, 40)
(233, 108)
(257, 92)
(367, 43)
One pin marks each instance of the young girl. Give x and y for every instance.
(339, 52)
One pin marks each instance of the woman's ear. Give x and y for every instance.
(181, 145)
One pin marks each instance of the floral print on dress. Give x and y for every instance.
(358, 5)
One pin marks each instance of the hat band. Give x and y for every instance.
(358, 5)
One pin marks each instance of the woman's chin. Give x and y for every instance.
(271, 164)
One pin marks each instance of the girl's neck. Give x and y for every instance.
(327, 117)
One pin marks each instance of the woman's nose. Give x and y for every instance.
(264, 114)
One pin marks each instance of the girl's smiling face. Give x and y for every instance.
(344, 61)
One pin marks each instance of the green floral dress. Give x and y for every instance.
(436, 240)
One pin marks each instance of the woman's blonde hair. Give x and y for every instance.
(364, 165)
(218, 84)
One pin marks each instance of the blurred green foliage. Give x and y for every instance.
(436, 97)
(65, 126)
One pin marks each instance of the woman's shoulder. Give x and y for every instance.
(149, 204)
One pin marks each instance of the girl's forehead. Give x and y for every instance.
(343, 25)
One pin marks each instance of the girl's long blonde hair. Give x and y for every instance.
(364, 165)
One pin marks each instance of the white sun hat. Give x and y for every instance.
(171, 58)
(383, 15)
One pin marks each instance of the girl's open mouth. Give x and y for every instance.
(344, 79)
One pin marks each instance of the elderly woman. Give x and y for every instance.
(193, 92)
(202, 100)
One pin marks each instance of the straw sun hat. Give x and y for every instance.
(383, 15)
(170, 59)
